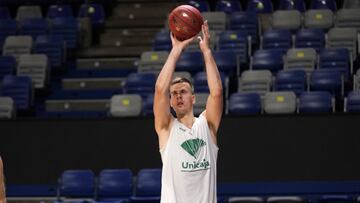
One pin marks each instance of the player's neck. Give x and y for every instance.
(187, 119)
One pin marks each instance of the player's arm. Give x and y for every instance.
(162, 113)
(214, 104)
(2, 184)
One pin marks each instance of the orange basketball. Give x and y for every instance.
(185, 22)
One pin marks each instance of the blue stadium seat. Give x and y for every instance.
(190, 61)
(228, 6)
(7, 66)
(244, 103)
(201, 5)
(4, 13)
(96, 12)
(260, 6)
(20, 89)
(8, 27)
(315, 102)
(148, 186)
(34, 27)
(140, 83)
(201, 85)
(227, 61)
(277, 39)
(237, 41)
(67, 28)
(336, 199)
(310, 38)
(291, 80)
(245, 21)
(267, 59)
(324, 4)
(60, 11)
(327, 80)
(115, 184)
(352, 102)
(337, 59)
(77, 184)
(292, 4)
(148, 105)
(53, 46)
(162, 41)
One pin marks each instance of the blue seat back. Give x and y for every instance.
(68, 29)
(96, 12)
(237, 41)
(140, 83)
(268, 59)
(201, 5)
(148, 105)
(19, 88)
(315, 102)
(244, 103)
(60, 11)
(324, 4)
(260, 6)
(228, 6)
(34, 27)
(291, 80)
(226, 61)
(162, 41)
(115, 183)
(190, 61)
(148, 183)
(310, 38)
(353, 102)
(335, 59)
(7, 66)
(7, 27)
(326, 80)
(52, 46)
(292, 5)
(245, 21)
(77, 183)
(277, 39)
(201, 85)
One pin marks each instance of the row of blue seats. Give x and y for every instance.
(317, 100)
(267, 6)
(68, 28)
(94, 11)
(114, 185)
(118, 185)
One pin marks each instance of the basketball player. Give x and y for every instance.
(2, 184)
(188, 145)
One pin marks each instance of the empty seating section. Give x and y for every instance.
(63, 59)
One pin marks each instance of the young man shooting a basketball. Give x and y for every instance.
(188, 145)
(2, 184)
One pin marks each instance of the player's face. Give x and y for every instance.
(181, 98)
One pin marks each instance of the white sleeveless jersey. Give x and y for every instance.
(189, 164)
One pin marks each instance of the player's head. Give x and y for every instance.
(182, 96)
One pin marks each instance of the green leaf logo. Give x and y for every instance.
(193, 146)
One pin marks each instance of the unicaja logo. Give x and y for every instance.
(194, 147)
